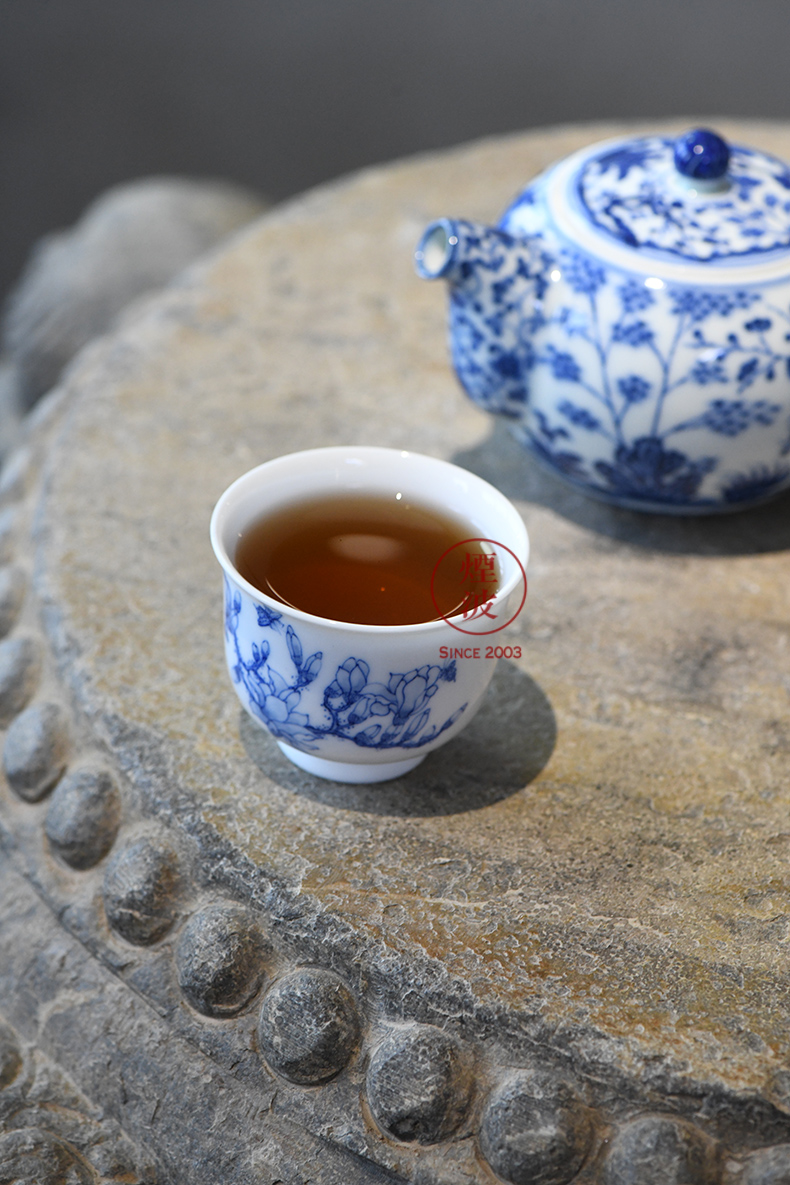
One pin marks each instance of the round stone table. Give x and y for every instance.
(558, 950)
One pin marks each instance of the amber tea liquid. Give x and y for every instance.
(368, 559)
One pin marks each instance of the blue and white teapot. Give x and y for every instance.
(631, 315)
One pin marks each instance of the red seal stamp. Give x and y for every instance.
(481, 565)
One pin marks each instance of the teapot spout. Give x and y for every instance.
(496, 285)
(438, 250)
(449, 247)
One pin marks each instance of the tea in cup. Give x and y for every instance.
(355, 580)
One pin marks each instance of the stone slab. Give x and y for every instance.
(590, 883)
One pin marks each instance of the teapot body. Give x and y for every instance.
(648, 382)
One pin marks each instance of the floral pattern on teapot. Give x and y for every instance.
(653, 393)
(631, 192)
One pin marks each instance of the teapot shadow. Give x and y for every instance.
(502, 750)
(501, 460)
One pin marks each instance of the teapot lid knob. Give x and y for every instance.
(701, 155)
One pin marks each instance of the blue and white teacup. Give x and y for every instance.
(363, 703)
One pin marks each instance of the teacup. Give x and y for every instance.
(364, 703)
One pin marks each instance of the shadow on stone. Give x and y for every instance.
(504, 748)
(501, 460)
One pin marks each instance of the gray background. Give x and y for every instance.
(282, 94)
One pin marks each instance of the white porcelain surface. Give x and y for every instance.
(634, 323)
(374, 697)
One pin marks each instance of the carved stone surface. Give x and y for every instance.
(83, 817)
(769, 1166)
(50, 1134)
(15, 479)
(34, 754)
(419, 1084)
(10, 1057)
(220, 960)
(659, 1150)
(580, 902)
(140, 890)
(19, 667)
(535, 1131)
(9, 517)
(131, 240)
(309, 1029)
(12, 592)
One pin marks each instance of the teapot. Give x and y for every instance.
(630, 316)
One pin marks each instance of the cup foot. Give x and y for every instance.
(346, 771)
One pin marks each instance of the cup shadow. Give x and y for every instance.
(502, 750)
(501, 460)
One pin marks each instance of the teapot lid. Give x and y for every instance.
(690, 201)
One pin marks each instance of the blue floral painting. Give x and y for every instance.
(634, 372)
(370, 714)
(630, 192)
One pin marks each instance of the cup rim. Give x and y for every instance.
(369, 452)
